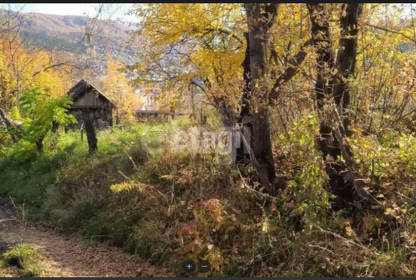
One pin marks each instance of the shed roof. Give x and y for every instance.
(80, 88)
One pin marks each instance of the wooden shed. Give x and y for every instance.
(89, 100)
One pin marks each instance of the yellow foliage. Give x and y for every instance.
(22, 70)
(205, 43)
(118, 89)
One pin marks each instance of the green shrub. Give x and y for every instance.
(5, 137)
(25, 258)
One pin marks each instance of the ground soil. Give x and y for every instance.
(70, 255)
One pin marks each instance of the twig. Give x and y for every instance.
(341, 237)
(392, 31)
(265, 195)
(322, 248)
(131, 159)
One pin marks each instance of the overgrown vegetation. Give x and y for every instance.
(25, 258)
(138, 194)
(326, 187)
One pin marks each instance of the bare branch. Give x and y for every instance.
(290, 72)
(392, 31)
(49, 67)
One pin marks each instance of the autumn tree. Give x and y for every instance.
(120, 91)
(260, 18)
(333, 95)
(198, 44)
(23, 67)
(205, 45)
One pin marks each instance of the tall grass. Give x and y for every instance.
(168, 205)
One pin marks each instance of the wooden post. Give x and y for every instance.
(82, 131)
(91, 132)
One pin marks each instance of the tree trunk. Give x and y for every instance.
(333, 99)
(227, 117)
(91, 132)
(55, 127)
(260, 18)
(244, 119)
(346, 58)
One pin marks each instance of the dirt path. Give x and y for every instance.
(69, 256)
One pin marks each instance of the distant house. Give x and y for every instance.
(150, 99)
(151, 106)
(155, 104)
(88, 99)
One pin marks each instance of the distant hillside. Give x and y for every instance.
(69, 33)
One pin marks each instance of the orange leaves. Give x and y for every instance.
(188, 230)
(193, 246)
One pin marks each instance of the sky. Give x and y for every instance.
(110, 11)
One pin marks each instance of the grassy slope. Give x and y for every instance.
(168, 207)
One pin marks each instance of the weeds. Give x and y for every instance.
(166, 206)
(25, 258)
